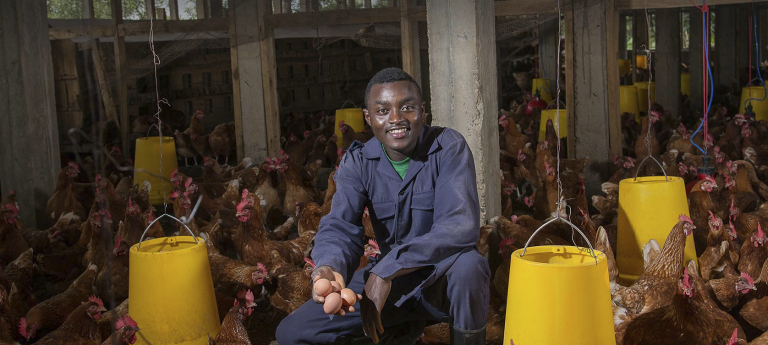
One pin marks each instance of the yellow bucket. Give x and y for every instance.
(551, 114)
(171, 292)
(760, 108)
(558, 295)
(624, 67)
(642, 61)
(543, 87)
(685, 84)
(649, 208)
(352, 117)
(642, 95)
(148, 158)
(628, 100)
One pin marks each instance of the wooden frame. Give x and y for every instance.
(116, 7)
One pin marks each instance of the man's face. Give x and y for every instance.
(395, 113)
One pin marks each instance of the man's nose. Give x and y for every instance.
(395, 116)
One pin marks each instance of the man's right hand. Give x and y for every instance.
(326, 272)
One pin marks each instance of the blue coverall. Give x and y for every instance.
(429, 220)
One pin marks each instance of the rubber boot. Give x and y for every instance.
(462, 337)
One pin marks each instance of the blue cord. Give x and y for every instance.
(711, 88)
(757, 59)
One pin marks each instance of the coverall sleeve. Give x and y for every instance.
(339, 239)
(456, 216)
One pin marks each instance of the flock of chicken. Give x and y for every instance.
(68, 284)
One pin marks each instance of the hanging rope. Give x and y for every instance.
(650, 79)
(159, 101)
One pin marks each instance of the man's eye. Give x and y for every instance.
(382, 111)
(408, 108)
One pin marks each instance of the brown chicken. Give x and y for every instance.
(293, 286)
(233, 331)
(52, 313)
(513, 139)
(13, 243)
(754, 253)
(701, 202)
(754, 304)
(657, 284)
(64, 198)
(308, 216)
(297, 188)
(115, 279)
(728, 290)
(80, 327)
(221, 140)
(720, 256)
(328, 202)
(690, 318)
(231, 275)
(125, 332)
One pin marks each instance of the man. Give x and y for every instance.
(418, 183)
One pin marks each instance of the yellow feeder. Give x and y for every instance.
(685, 84)
(628, 100)
(171, 292)
(559, 295)
(543, 87)
(624, 67)
(649, 208)
(642, 95)
(352, 117)
(551, 114)
(147, 168)
(642, 61)
(760, 108)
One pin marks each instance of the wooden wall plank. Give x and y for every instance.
(116, 7)
(409, 41)
(269, 80)
(173, 8)
(612, 74)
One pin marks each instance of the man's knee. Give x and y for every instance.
(288, 331)
(472, 268)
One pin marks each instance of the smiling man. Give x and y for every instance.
(418, 183)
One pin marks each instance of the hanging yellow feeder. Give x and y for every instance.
(642, 61)
(628, 100)
(649, 208)
(171, 292)
(624, 67)
(685, 84)
(543, 87)
(552, 114)
(147, 165)
(559, 295)
(642, 95)
(753, 95)
(352, 117)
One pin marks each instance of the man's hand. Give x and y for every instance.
(326, 272)
(372, 302)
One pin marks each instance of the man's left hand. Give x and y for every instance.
(374, 297)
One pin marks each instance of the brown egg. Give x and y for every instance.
(332, 303)
(336, 286)
(323, 287)
(348, 297)
(337, 276)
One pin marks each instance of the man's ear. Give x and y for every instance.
(424, 107)
(367, 117)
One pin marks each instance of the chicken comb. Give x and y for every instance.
(506, 241)
(309, 262)
(306, 134)
(502, 118)
(760, 233)
(97, 179)
(246, 295)
(174, 173)
(241, 205)
(96, 300)
(341, 123)
(118, 239)
(283, 155)
(374, 244)
(188, 182)
(749, 279)
(151, 215)
(23, 327)
(686, 279)
(733, 206)
(735, 337)
(261, 267)
(712, 216)
(130, 202)
(126, 321)
(12, 207)
(684, 218)
(269, 160)
(174, 195)
(513, 219)
(198, 111)
(615, 159)
(710, 179)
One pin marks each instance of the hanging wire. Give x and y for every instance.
(156, 62)
(647, 139)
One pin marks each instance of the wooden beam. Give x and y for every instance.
(518, 8)
(726, 49)
(269, 79)
(367, 4)
(88, 9)
(633, 53)
(666, 61)
(651, 4)
(351, 4)
(116, 7)
(569, 81)
(337, 17)
(150, 9)
(622, 36)
(695, 61)
(612, 73)
(409, 42)
(138, 28)
(203, 8)
(104, 85)
(216, 7)
(173, 8)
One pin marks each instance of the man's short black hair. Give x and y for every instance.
(389, 75)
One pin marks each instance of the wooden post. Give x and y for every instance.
(695, 60)
(622, 36)
(633, 53)
(569, 80)
(612, 75)
(173, 8)
(341, 4)
(104, 85)
(368, 4)
(203, 8)
(150, 9)
(550, 37)
(351, 4)
(742, 43)
(595, 110)
(88, 9)
(269, 80)
(278, 6)
(120, 64)
(247, 87)
(216, 8)
(725, 46)
(462, 68)
(29, 138)
(666, 61)
(286, 6)
(409, 42)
